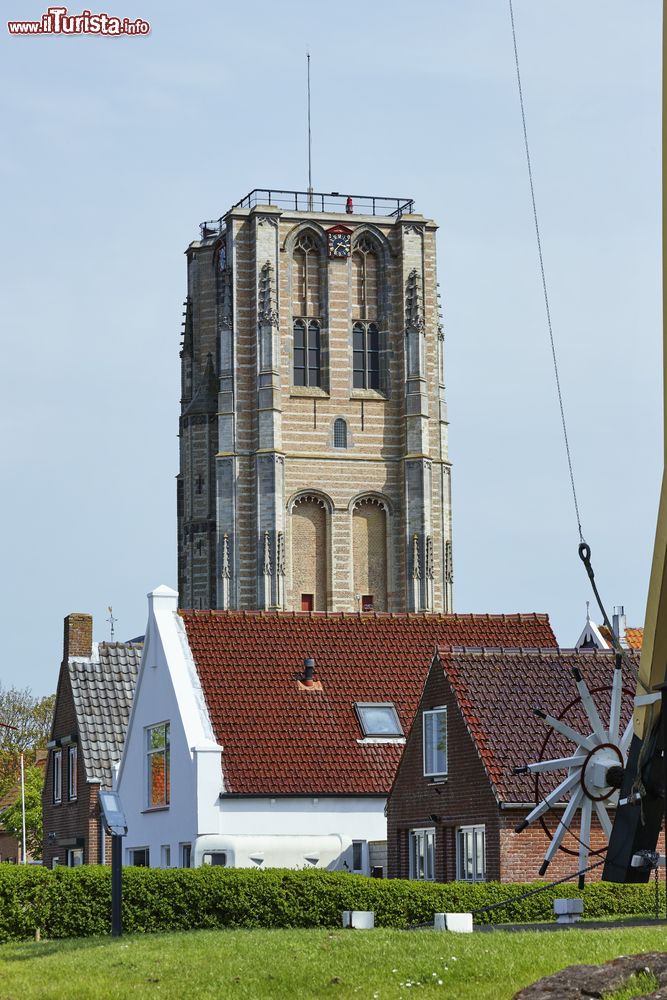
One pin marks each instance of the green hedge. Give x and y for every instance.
(76, 902)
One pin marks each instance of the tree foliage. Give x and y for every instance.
(12, 816)
(30, 721)
(30, 718)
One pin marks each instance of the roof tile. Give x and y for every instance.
(103, 691)
(280, 740)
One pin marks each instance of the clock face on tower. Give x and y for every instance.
(339, 240)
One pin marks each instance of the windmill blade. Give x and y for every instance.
(582, 742)
(603, 816)
(562, 828)
(616, 692)
(626, 738)
(550, 800)
(589, 706)
(584, 837)
(557, 764)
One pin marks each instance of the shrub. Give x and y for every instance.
(76, 902)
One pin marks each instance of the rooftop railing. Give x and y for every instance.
(316, 201)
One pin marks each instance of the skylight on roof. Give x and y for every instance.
(378, 718)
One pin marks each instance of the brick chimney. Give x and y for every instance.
(78, 637)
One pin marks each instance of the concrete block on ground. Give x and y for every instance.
(460, 923)
(568, 911)
(359, 920)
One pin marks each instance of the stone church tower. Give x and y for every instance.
(314, 472)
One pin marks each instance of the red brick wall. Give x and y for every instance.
(78, 636)
(10, 849)
(522, 853)
(463, 798)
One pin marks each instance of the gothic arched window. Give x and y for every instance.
(369, 553)
(309, 553)
(306, 311)
(365, 280)
(340, 433)
(366, 347)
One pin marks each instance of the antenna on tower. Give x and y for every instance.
(112, 621)
(310, 170)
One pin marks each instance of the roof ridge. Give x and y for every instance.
(425, 616)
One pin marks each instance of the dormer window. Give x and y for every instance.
(378, 719)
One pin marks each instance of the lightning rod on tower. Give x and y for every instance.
(310, 170)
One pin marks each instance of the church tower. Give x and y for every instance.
(314, 473)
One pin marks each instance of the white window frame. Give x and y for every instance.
(468, 844)
(72, 764)
(57, 777)
(132, 851)
(367, 731)
(429, 772)
(150, 753)
(421, 842)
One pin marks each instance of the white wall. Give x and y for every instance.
(168, 690)
(359, 818)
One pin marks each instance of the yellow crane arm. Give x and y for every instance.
(653, 663)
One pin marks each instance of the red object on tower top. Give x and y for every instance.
(348, 206)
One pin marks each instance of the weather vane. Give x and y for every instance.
(112, 621)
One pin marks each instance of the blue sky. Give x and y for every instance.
(115, 149)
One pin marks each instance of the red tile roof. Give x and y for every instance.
(633, 636)
(281, 740)
(496, 691)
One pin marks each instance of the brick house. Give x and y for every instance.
(231, 742)
(456, 801)
(93, 700)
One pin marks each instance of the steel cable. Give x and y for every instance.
(543, 274)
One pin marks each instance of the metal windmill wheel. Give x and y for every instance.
(594, 769)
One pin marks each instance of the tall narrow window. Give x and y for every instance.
(71, 773)
(435, 743)
(57, 776)
(306, 313)
(422, 854)
(157, 754)
(471, 854)
(366, 356)
(365, 280)
(340, 433)
(307, 353)
(365, 315)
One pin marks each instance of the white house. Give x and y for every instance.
(272, 738)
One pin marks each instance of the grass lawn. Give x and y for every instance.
(378, 965)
